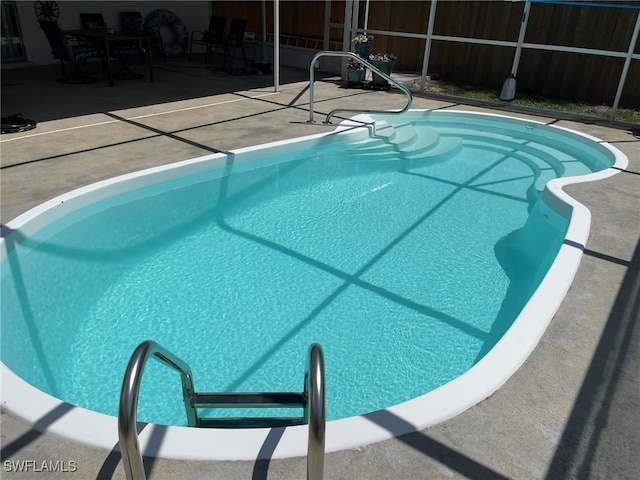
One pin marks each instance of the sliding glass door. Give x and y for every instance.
(12, 48)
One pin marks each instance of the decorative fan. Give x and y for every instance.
(46, 10)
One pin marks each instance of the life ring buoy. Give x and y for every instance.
(179, 43)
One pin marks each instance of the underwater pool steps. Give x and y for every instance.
(250, 400)
(251, 422)
(443, 149)
(233, 400)
(394, 142)
(402, 142)
(311, 400)
(390, 138)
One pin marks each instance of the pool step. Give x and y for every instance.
(427, 140)
(403, 135)
(545, 162)
(402, 142)
(388, 142)
(539, 150)
(388, 139)
(442, 149)
(250, 422)
(211, 400)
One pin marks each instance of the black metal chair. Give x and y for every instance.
(235, 39)
(126, 51)
(96, 22)
(63, 49)
(210, 38)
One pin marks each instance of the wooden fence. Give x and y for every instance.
(578, 77)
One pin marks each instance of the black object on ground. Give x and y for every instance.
(15, 124)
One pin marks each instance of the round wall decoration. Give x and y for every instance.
(46, 10)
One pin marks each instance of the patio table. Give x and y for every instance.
(105, 38)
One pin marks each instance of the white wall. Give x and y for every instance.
(194, 14)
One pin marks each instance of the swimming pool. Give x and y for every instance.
(364, 184)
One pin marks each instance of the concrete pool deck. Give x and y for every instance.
(571, 411)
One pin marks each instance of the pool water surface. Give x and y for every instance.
(407, 257)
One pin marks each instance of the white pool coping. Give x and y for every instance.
(46, 413)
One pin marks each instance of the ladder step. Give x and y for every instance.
(251, 399)
(250, 422)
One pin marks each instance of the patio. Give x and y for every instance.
(571, 411)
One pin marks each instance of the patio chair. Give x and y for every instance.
(210, 38)
(127, 51)
(64, 50)
(235, 39)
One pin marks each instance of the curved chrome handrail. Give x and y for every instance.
(315, 412)
(314, 406)
(127, 409)
(388, 78)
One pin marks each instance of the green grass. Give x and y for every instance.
(526, 100)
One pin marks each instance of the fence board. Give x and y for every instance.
(570, 76)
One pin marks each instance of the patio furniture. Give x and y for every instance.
(126, 51)
(235, 39)
(109, 41)
(64, 50)
(210, 38)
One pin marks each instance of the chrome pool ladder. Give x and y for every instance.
(311, 400)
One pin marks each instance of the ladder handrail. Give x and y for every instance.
(326, 53)
(313, 395)
(128, 407)
(316, 412)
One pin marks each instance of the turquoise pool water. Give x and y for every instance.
(406, 257)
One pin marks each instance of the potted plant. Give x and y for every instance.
(362, 42)
(384, 62)
(355, 73)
